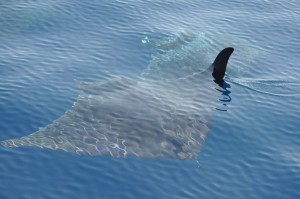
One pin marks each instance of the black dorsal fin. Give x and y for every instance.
(220, 64)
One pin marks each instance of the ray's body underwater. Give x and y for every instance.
(123, 117)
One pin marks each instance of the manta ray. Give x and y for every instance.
(123, 117)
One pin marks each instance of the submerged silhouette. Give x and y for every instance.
(123, 117)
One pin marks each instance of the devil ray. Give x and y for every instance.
(122, 117)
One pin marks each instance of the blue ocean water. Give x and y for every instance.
(252, 150)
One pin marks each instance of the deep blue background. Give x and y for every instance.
(253, 148)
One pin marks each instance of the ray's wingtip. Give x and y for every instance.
(8, 144)
(227, 51)
(220, 64)
(230, 48)
(4, 143)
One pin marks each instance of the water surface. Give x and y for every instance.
(252, 151)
